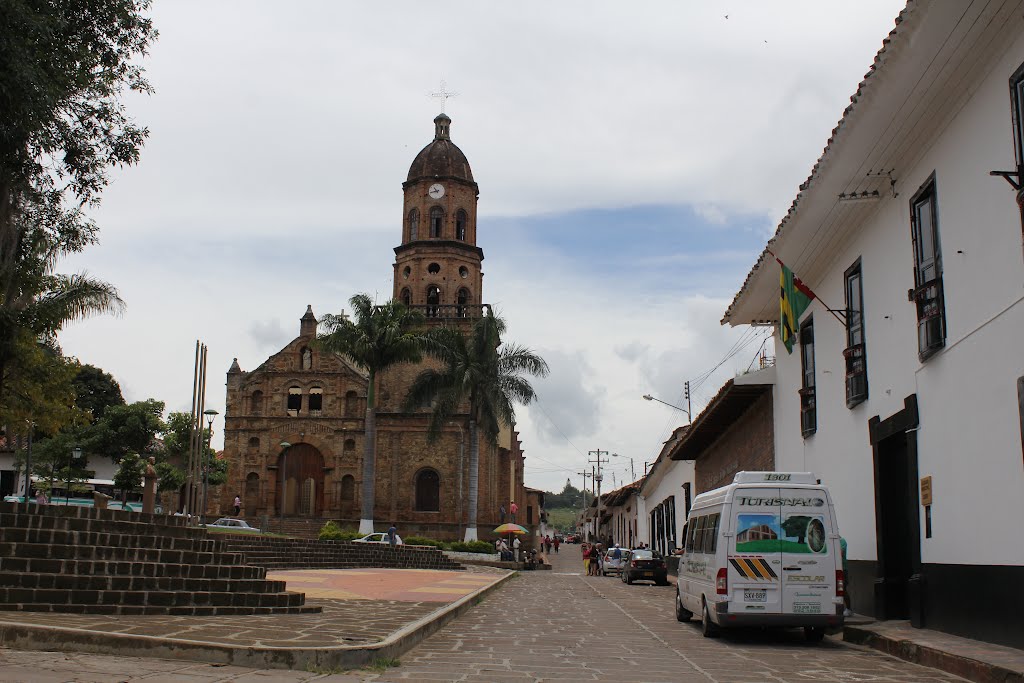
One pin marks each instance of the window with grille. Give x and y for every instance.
(808, 400)
(414, 225)
(856, 350)
(927, 294)
(436, 221)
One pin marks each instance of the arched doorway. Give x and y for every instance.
(251, 497)
(428, 491)
(301, 468)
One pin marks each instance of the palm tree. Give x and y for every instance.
(36, 301)
(377, 338)
(475, 371)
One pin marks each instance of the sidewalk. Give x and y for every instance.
(367, 614)
(973, 659)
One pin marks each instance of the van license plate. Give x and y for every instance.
(755, 596)
(648, 573)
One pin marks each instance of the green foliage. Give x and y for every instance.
(383, 663)
(171, 478)
(570, 497)
(128, 477)
(95, 390)
(420, 540)
(37, 388)
(125, 429)
(332, 532)
(472, 547)
(563, 519)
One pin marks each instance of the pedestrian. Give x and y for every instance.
(847, 612)
(513, 509)
(515, 546)
(238, 505)
(557, 543)
(586, 558)
(392, 535)
(497, 545)
(595, 561)
(41, 497)
(501, 511)
(506, 554)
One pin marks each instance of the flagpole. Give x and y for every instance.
(827, 307)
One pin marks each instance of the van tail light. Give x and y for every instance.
(722, 582)
(633, 563)
(840, 583)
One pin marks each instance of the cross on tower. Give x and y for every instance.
(443, 94)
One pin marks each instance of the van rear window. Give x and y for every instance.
(763, 533)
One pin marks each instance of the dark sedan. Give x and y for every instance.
(645, 565)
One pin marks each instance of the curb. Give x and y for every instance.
(22, 636)
(966, 667)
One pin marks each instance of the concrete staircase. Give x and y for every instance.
(301, 553)
(76, 559)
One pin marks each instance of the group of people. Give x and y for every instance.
(593, 555)
(548, 542)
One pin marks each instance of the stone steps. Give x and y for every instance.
(294, 553)
(83, 560)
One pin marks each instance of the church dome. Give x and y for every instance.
(441, 158)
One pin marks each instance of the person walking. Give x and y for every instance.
(513, 509)
(501, 512)
(586, 558)
(557, 542)
(547, 544)
(392, 535)
(516, 544)
(238, 505)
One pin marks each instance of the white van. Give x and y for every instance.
(763, 551)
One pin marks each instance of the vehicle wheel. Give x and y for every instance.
(707, 627)
(622, 577)
(629, 580)
(814, 634)
(604, 573)
(661, 582)
(682, 614)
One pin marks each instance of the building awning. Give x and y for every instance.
(720, 414)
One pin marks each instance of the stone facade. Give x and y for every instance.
(303, 411)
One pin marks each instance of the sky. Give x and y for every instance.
(632, 158)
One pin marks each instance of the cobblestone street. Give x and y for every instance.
(541, 626)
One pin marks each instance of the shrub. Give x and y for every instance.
(420, 540)
(472, 547)
(333, 532)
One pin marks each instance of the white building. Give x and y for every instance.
(665, 496)
(912, 412)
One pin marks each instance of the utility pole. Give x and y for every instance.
(686, 393)
(583, 493)
(597, 462)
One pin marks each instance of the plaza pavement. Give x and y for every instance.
(541, 626)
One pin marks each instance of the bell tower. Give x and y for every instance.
(438, 265)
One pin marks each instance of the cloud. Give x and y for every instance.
(269, 334)
(572, 408)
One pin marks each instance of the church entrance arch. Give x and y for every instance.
(301, 469)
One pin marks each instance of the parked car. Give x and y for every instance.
(232, 523)
(644, 565)
(377, 538)
(611, 564)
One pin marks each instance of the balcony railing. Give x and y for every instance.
(856, 375)
(808, 411)
(452, 311)
(931, 317)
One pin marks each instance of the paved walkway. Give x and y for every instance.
(540, 626)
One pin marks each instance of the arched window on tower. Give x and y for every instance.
(414, 225)
(460, 225)
(316, 401)
(406, 296)
(462, 301)
(348, 488)
(428, 491)
(436, 221)
(433, 299)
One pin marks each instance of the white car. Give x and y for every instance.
(377, 538)
(232, 523)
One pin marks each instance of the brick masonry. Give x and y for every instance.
(748, 444)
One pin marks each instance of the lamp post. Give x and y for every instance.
(28, 460)
(648, 397)
(284, 480)
(211, 415)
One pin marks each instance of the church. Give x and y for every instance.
(294, 426)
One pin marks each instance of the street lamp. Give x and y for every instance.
(76, 457)
(211, 415)
(284, 481)
(632, 472)
(648, 397)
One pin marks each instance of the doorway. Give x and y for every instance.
(897, 516)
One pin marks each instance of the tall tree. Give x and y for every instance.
(126, 429)
(63, 69)
(477, 370)
(95, 390)
(375, 338)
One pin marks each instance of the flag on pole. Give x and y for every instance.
(794, 299)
